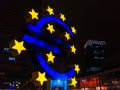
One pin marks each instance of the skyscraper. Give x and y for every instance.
(94, 54)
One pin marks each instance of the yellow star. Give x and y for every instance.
(50, 57)
(16, 84)
(50, 10)
(74, 82)
(73, 30)
(67, 36)
(50, 28)
(41, 77)
(73, 49)
(77, 69)
(62, 16)
(18, 46)
(33, 14)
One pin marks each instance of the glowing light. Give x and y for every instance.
(91, 82)
(13, 85)
(42, 33)
(73, 49)
(33, 14)
(58, 80)
(62, 16)
(18, 46)
(77, 69)
(50, 28)
(6, 49)
(41, 77)
(58, 83)
(50, 57)
(42, 44)
(11, 59)
(50, 10)
(73, 30)
(74, 82)
(67, 36)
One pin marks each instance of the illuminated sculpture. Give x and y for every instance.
(37, 31)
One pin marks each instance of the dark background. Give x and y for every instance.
(93, 19)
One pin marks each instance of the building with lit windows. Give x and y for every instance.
(94, 55)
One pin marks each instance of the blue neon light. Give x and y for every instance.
(57, 83)
(38, 30)
(42, 44)
(47, 19)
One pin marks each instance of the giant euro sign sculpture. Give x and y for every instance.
(37, 29)
(41, 44)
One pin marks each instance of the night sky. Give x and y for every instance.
(93, 19)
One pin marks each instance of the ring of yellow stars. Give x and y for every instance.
(67, 35)
(77, 69)
(73, 30)
(62, 16)
(73, 49)
(50, 28)
(50, 57)
(50, 10)
(19, 46)
(41, 77)
(33, 14)
(74, 82)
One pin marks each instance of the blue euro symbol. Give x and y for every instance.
(37, 29)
